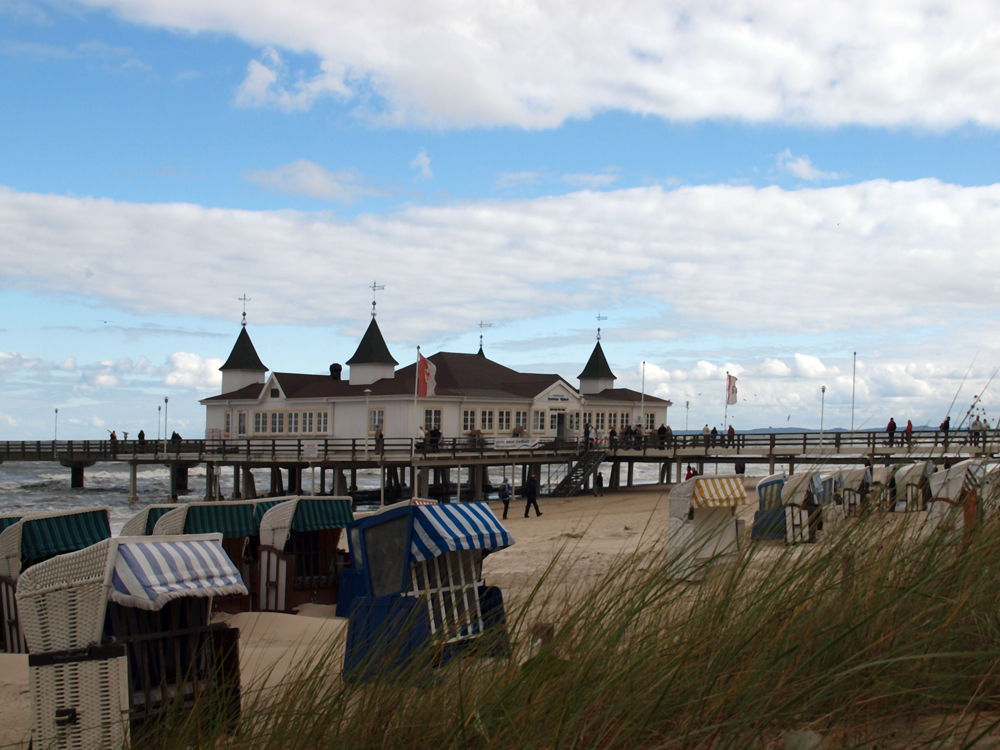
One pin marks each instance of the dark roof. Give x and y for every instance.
(470, 375)
(627, 394)
(597, 366)
(244, 356)
(372, 349)
(251, 392)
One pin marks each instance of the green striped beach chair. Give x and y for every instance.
(300, 553)
(37, 537)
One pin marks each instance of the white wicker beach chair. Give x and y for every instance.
(81, 691)
(952, 490)
(137, 524)
(799, 489)
(702, 525)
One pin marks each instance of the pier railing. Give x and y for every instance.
(305, 449)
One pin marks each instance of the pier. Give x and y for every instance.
(416, 466)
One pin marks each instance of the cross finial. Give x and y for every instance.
(244, 299)
(599, 319)
(375, 287)
(482, 326)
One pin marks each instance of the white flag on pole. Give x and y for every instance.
(731, 390)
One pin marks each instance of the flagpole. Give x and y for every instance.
(725, 412)
(642, 399)
(416, 388)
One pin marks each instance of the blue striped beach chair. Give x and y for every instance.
(769, 520)
(416, 580)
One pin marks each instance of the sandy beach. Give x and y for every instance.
(592, 531)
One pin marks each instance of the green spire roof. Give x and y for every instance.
(244, 356)
(597, 366)
(372, 349)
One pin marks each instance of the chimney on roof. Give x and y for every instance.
(335, 371)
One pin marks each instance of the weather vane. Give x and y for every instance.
(599, 319)
(375, 287)
(482, 325)
(244, 299)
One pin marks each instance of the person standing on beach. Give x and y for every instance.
(531, 493)
(599, 485)
(505, 495)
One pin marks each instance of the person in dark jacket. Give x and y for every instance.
(531, 494)
(891, 429)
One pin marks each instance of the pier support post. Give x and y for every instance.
(209, 482)
(354, 480)
(322, 480)
(631, 473)
(133, 481)
(680, 469)
(172, 497)
(236, 482)
(76, 477)
(277, 486)
(182, 478)
(478, 474)
(770, 465)
(249, 485)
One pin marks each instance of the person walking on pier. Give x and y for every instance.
(945, 426)
(504, 495)
(531, 493)
(731, 434)
(891, 429)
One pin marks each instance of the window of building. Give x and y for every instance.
(307, 421)
(612, 419)
(275, 393)
(293, 421)
(539, 423)
(486, 420)
(277, 421)
(321, 421)
(574, 421)
(432, 419)
(229, 423)
(376, 419)
(650, 420)
(554, 419)
(468, 420)
(241, 423)
(599, 420)
(503, 420)
(521, 419)
(259, 422)
(626, 419)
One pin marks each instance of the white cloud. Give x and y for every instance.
(423, 162)
(97, 421)
(601, 179)
(534, 63)
(186, 370)
(809, 366)
(891, 255)
(304, 177)
(8, 420)
(513, 179)
(803, 168)
(268, 83)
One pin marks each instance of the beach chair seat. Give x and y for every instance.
(120, 636)
(299, 559)
(417, 579)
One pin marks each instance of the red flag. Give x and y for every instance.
(426, 376)
(731, 390)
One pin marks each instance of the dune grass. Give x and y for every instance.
(879, 635)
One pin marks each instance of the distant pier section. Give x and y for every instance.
(414, 465)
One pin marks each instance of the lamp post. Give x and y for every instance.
(642, 399)
(822, 406)
(368, 419)
(55, 438)
(159, 416)
(166, 412)
(854, 381)
(687, 411)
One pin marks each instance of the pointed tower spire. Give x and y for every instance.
(243, 366)
(597, 375)
(372, 360)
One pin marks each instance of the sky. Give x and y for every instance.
(802, 194)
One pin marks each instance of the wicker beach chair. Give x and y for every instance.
(955, 495)
(855, 489)
(803, 512)
(417, 579)
(299, 559)
(36, 537)
(120, 636)
(769, 520)
(142, 523)
(913, 486)
(702, 524)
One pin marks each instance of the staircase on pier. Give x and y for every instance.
(584, 468)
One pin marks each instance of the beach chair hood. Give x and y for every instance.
(798, 485)
(706, 492)
(963, 475)
(303, 514)
(769, 491)
(148, 572)
(460, 526)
